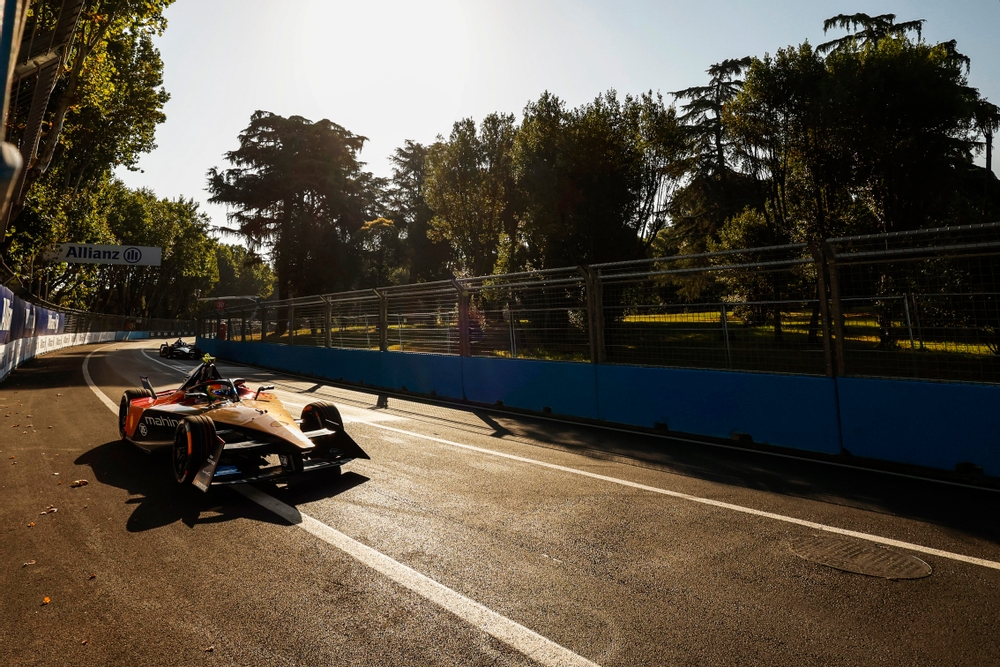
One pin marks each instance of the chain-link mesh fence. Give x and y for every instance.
(920, 304)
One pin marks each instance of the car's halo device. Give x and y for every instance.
(222, 432)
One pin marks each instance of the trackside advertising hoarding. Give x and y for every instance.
(87, 253)
(20, 319)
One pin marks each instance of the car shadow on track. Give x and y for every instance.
(160, 501)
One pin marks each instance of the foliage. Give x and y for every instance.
(470, 186)
(107, 101)
(241, 273)
(596, 180)
(296, 190)
(423, 258)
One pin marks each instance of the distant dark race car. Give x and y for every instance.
(222, 432)
(179, 350)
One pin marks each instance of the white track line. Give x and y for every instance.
(878, 539)
(515, 635)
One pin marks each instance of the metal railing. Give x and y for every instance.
(922, 304)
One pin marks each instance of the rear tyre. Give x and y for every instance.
(123, 406)
(192, 440)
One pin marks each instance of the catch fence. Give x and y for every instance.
(920, 304)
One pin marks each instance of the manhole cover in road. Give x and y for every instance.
(860, 558)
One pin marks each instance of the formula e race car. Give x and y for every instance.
(222, 432)
(179, 350)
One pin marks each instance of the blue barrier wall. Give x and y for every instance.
(783, 410)
(929, 424)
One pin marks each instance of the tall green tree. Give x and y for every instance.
(106, 103)
(297, 191)
(241, 273)
(469, 187)
(714, 189)
(425, 258)
(597, 180)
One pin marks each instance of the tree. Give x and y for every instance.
(425, 259)
(241, 273)
(596, 180)
(468, 185)
(107, 100)
(297, 191)
(138, 217)
(714, 190)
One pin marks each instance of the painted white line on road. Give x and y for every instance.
(90, 381)
(515, 635)
(705, 501)
(878, 539)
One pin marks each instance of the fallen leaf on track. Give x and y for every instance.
(209, 649)
(30, 562)
(46, 600)
(85, 641)
(79, 482)
(92, 576)
(31, 525)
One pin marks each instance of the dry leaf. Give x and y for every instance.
(46, 600)
(30, 562)
(209, 649)
(55, 473)
(31, 525)
(79, 482)
(85, 641)
(92, 576)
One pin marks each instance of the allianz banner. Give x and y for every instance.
(20, 319)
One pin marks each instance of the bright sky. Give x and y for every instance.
(393, 70)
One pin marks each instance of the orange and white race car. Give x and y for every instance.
(223, 432)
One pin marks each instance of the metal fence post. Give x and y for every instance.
(595, 314)
(327, 312)
(243, 326)
(291, 323)
(383, 321)
(725, 335)
(824, 305)
(909, 325)
(838, 314)
(464, 348)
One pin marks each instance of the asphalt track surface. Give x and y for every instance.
(470, 538)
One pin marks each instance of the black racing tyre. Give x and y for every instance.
(127, 398)
(315, 416)
(192, 440)
(164, 350)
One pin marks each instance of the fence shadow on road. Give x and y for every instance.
(972, 511)
(159, 501)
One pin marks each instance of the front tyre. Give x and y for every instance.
(316, 415)
(192, 439)
(123, 406)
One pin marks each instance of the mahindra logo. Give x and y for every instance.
(160, 421)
